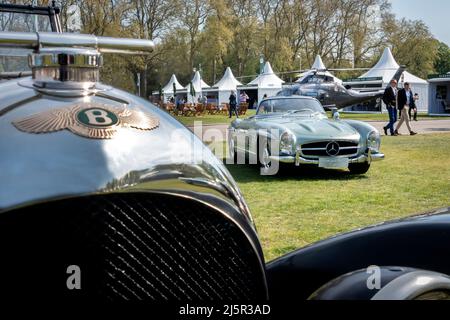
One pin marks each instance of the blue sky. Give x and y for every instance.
(435, 13)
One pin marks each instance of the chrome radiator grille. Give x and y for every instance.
(134, 247)
(319, 149)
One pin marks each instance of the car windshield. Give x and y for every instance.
(17, 59)
(290, 105)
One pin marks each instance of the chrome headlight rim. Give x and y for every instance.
(287, 143)
(374, 140)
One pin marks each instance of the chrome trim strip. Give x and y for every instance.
(298, 159)
(340, 148)
(316, 157)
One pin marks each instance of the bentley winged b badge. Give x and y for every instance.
(90, 120)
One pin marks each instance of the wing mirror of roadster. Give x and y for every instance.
(335, 114)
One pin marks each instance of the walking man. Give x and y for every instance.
(390, 99)
(405, 102)
(233, 103)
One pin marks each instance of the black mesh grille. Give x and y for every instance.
(133, 247)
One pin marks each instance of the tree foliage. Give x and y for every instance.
(442, 63)
(215, 34)
(412, 44)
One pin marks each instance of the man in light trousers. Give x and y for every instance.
(405, 101)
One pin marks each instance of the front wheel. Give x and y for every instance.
(359, 168)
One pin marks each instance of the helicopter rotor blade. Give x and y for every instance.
(356, 69)
(347, 69)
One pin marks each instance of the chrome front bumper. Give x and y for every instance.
(298, 159)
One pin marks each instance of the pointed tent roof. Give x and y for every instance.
(168, 88)
(318, 64)
(267, 79)
(268, 68)
(386, 68)
(198, 83)
(228, 81)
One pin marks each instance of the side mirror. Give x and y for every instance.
(335, 114)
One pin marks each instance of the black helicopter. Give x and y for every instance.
(330, 91)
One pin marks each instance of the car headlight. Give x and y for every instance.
(287, 142)
(373, 141)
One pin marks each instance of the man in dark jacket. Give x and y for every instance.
(390, 99)
(405, 101)
(233, 103)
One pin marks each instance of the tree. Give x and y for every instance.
(149, 20)
(364, 31)
(173, 59)
(216, 39)
(412, 44)
(193, 17)
(442, 62)
(245, 47)
(235, 33)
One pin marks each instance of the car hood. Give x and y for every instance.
(316, 127)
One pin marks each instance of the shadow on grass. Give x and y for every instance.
(251, 173)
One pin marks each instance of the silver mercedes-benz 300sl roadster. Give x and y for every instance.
(297, 130)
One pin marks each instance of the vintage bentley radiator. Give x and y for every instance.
(129, 246)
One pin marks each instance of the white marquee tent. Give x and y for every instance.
(225, 85)
(267, 82)
(386, 69)
(168, 88)
(199, 85)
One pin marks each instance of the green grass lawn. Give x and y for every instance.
(223, 119)
(294, 209)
